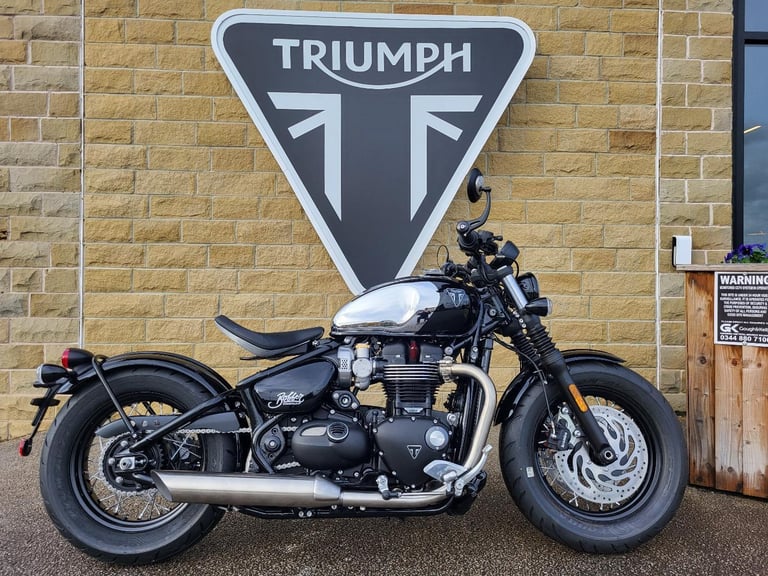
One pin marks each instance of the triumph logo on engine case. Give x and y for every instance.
(414, 450)
(375, 119)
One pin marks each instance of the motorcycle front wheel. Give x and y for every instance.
(547, 467)
(104, 502)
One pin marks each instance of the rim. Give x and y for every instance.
(116, 499)
(584, 486)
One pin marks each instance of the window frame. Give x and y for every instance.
(741, 38)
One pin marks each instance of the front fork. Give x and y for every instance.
(553, 362)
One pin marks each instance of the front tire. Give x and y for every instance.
(106, 512)
(591, 508)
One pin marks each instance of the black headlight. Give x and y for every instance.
(529, 285)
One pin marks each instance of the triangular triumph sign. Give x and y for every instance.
(375, 119)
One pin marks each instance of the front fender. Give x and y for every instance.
(526, 379)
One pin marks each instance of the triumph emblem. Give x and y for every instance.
(414, 450)
(374, 119)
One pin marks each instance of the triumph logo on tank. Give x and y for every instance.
(375, 119)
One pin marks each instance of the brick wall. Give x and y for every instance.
(39, 194)
(187, 215)
(695, 177)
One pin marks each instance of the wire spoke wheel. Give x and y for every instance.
(549, 471)
(98, 490)
(114, 492)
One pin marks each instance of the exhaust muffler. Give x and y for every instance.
(268, 490)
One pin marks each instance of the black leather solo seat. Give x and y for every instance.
(269, 345)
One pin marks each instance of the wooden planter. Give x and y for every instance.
(727, 396)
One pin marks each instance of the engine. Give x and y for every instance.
(353, 443)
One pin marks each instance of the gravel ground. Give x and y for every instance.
(713, 533)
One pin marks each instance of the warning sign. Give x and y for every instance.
(741, 308)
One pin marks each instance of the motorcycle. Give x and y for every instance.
(152, 448)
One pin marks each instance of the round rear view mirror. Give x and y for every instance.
(474, 185)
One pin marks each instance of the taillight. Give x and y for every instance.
(71, 358)
(65, 358)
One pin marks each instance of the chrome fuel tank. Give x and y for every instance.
(411, 306)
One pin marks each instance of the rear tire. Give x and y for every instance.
(110, 514)
(570, 498)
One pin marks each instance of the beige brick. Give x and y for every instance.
(632, 141)
(545, 259)
(169, 133)
(159, 280)
(575, 68)
(157, 82)
(120, 107)
(627, 236)
(184, 108)
(175, 331)
(178, 158)
(107, 280)
(603, 44)
(231, 256)
(553, 212)
(176, 256)
(115, 156)
(220, 134)
(591, 259)
(597, 116)
(191, 305)
(584, 19)
(232, 184)
(13, 51)
(170, 182)
(590, 331)
(120, 55)
(149, 31)
(619, 213)
(113, 255)
(236, 208)
(642, 21)
(108, 230)
(277, 281)
(569, 164)
(570, 43)
(173, 9)
(232, 159)
(198, 231)
(709, 48)
(36, 330)
(641, 45)
(156, 230)
(626, 308)
(122, 305)
(582, 141)
(247, 305)
(300, 306)
(104, 30)
(180, 58)
(16, 356)
(109, 181)
(628, 69)
(282, 257)
(215, 281)
(113, 331)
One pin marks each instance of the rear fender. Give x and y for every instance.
(204, 375)
(527, 378)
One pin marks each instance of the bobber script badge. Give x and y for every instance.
(375, 119)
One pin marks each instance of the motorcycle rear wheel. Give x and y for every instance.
(102, 510)
(570, 498)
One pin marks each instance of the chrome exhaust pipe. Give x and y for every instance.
(277, 491)
(448, 370)
(270, 490)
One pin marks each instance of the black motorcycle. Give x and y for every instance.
(151, 448)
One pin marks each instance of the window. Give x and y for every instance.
(750, 150)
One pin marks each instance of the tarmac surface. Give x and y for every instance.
(712, 534)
